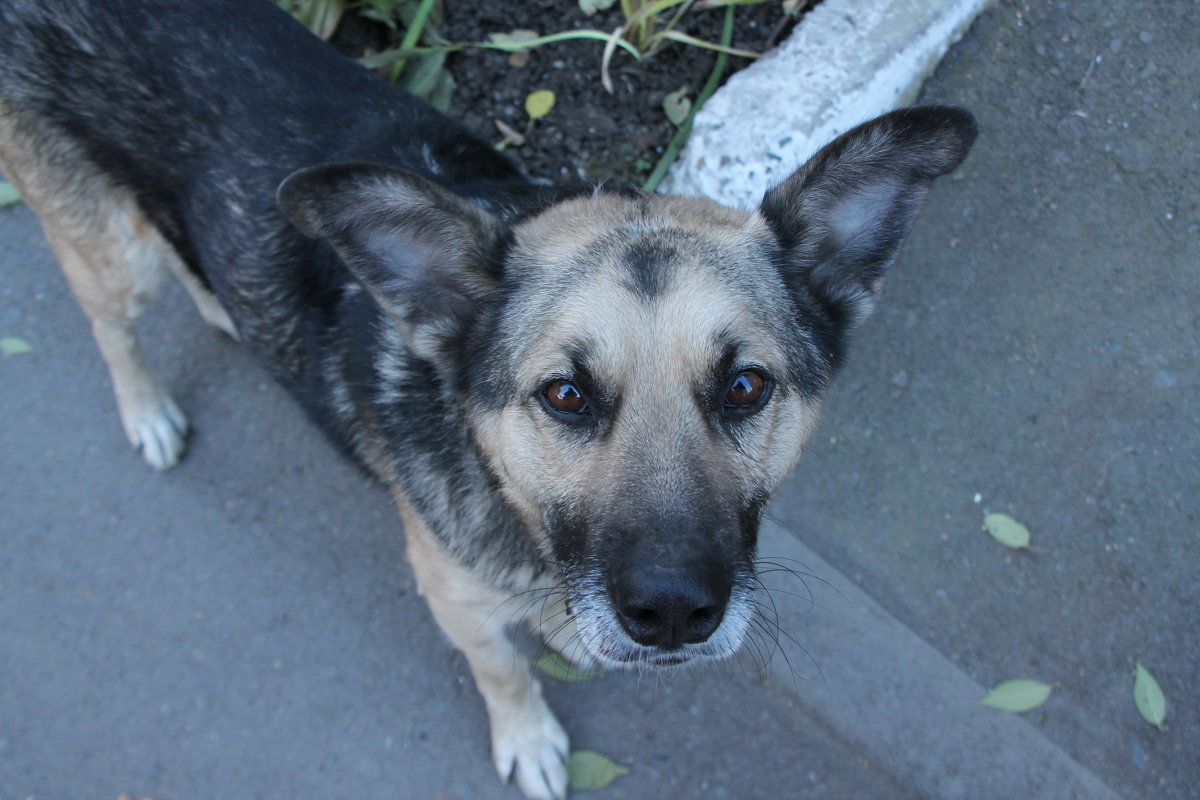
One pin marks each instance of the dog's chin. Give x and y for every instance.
(630, 654)
(606, 641)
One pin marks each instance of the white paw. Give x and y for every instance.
(531, 745)
(158, 430)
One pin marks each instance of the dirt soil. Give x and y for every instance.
(590, 133)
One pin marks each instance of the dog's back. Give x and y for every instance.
(200, 110)
(155, 135)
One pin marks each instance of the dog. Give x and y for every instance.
(580, 394)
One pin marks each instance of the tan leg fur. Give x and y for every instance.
(527, 739)
(115, 261)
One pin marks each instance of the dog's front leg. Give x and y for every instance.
(527, 739)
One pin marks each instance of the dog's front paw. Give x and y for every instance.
(531, 745)
(158, 431)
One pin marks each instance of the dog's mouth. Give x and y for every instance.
(603, 636)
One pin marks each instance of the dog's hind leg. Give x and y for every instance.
(527, 740)
(114, 260)
(115, 264)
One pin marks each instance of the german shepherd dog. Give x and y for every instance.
(584, 395)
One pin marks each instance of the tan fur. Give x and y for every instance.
(115, 262)
(527, 739)
(652, 352)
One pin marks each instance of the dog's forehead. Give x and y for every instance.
(641, 281)
(566, 230)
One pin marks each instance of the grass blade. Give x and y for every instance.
(681, 136)
(679, 36)
(412, 36)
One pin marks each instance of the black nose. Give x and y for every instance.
(669, 608)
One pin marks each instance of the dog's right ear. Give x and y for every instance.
(427, 255)
(842, 217)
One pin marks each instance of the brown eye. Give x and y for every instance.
(563, 397)
(746, 390)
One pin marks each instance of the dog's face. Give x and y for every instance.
(646, 383)
(641, 372)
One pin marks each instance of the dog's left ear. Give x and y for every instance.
(843, 216)
(427, 255)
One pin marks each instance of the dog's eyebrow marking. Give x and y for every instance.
(710, 384)
(582, 370)
(585, 372)
(650, 266)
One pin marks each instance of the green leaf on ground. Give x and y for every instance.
(1018, 695)
(587, 770)
(11, 346)
(677, 105)
(1007, 531)
(539, 103)
(9, 196)
(560, 669)
(1149, 697)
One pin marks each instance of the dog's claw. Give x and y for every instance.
(531, 747)
(158, 433)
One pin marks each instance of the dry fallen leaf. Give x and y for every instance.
(511, 135)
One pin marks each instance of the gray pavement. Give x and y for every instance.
(1036, 353)
(243, 626)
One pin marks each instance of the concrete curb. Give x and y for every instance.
(848, 61)
(909, 709)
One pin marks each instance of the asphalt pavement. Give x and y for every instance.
(244, 626)
(1035, 353)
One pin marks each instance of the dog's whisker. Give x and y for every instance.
(801, 570)
(776, 632)
(754, 648)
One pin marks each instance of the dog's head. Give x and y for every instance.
(640, 371)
